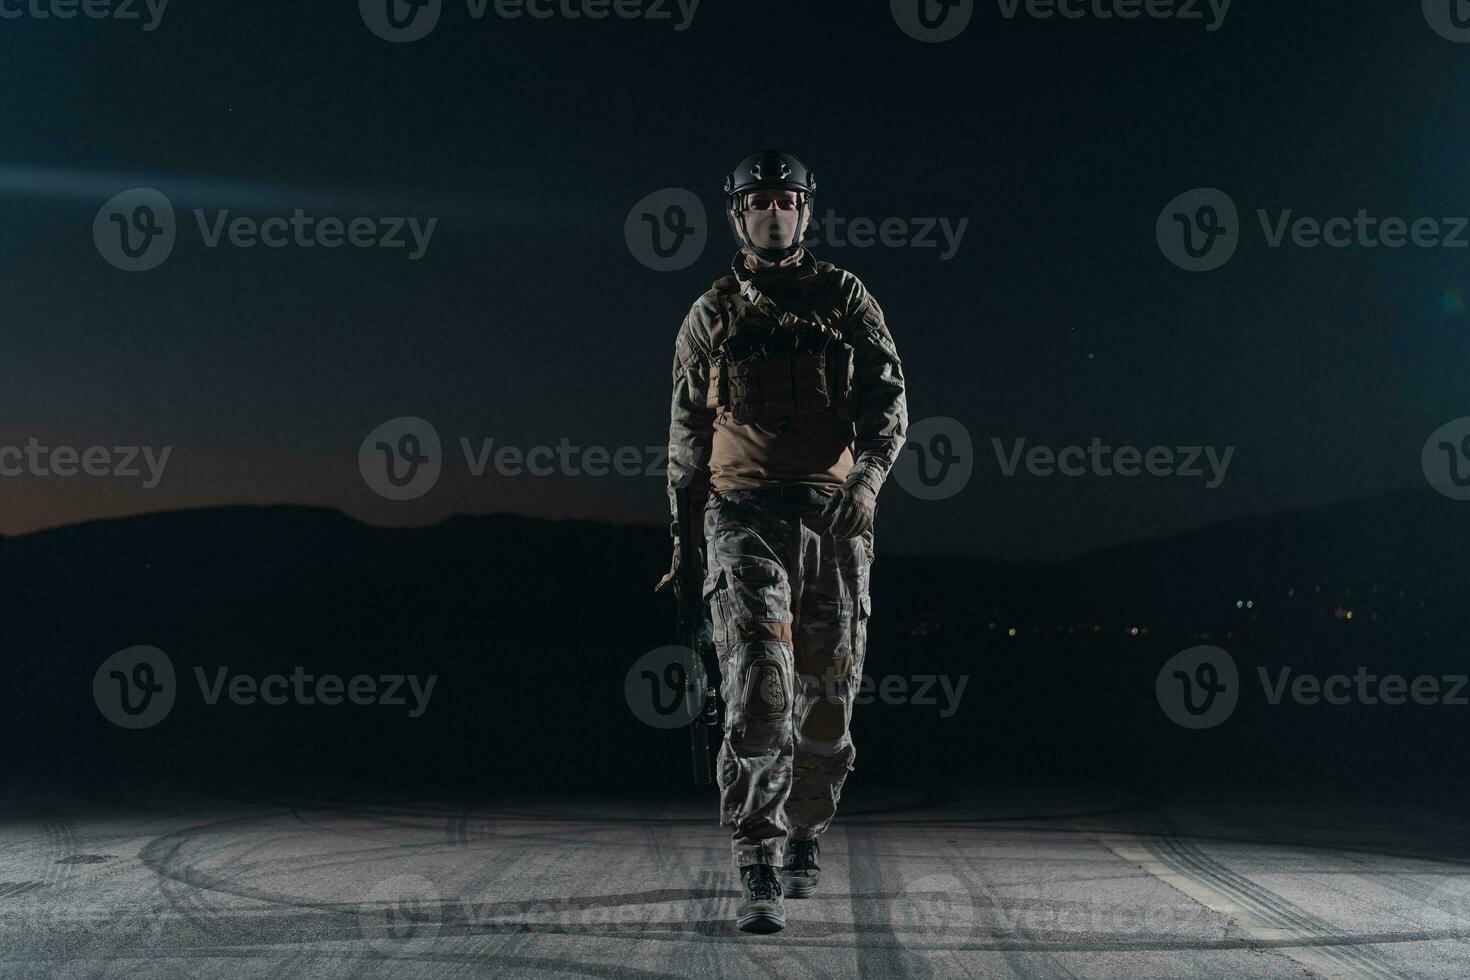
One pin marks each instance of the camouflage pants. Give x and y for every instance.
(790, 611)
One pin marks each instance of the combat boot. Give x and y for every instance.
(800, 875)
(762, 910)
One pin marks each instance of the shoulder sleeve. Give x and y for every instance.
(691, 424)
(880, 418)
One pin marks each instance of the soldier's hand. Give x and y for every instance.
(851, 510)
(671, 580)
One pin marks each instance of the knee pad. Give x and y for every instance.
(825, 719)
(765, 697)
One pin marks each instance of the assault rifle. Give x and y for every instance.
(701, 696)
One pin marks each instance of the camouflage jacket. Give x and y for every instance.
(709, 449)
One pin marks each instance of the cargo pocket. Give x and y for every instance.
(715, 587)
(758, 592)
(860, 639)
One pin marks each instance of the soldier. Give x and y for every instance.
(788, 404)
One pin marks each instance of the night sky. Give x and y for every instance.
(529, 321)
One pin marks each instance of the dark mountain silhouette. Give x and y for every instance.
(530, 626)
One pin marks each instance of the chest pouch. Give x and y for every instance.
(766, 369)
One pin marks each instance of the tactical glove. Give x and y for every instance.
(851, 510)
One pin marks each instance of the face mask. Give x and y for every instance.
(770, 228)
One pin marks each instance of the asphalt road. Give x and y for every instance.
(1021, 883)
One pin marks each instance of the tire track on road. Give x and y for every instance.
(1267, 919)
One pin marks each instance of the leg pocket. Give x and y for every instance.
(715, 587)
(759, 592)
(860, 638)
